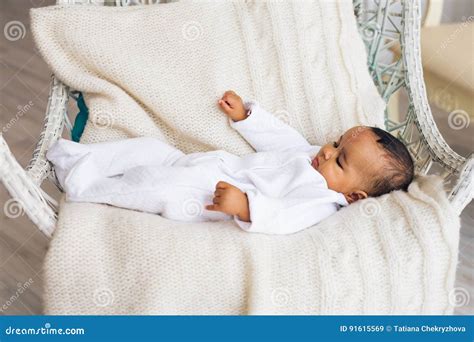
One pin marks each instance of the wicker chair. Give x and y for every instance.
(383, 24)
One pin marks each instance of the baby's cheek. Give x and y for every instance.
(331, 179)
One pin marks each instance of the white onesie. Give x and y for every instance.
(285, 193)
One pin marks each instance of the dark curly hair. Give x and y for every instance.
(398, 170)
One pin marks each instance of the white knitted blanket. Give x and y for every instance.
(396, 254)
(158, 71)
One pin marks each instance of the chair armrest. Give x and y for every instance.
(29, 196)
(463, 192)
(428, 145)
(39, 168)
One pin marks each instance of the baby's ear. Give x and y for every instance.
(355, 196)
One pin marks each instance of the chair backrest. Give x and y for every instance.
(391, 32)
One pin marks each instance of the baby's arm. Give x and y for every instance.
(286, 215)
(262, 130)
(256, 213)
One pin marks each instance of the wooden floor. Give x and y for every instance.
(25, 78)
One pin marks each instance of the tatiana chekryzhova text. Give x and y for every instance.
(429, 328)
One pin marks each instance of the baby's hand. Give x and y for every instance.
(230, 200)
(233, 106)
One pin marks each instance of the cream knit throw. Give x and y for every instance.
(395, 254)
(159, 70)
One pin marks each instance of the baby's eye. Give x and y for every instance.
(335, 144)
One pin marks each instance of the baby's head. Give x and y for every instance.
(365, 161)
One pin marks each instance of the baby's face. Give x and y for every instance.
(349, 163)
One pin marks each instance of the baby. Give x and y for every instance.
(286, 186)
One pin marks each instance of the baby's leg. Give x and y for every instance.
(121, 155)
(111, 158)
(179, 193)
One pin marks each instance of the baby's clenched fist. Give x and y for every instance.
(231, 201)
(233, 106)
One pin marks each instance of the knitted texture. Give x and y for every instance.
(395, 254)
(159, 70)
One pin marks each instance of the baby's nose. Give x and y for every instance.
(327, 153)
